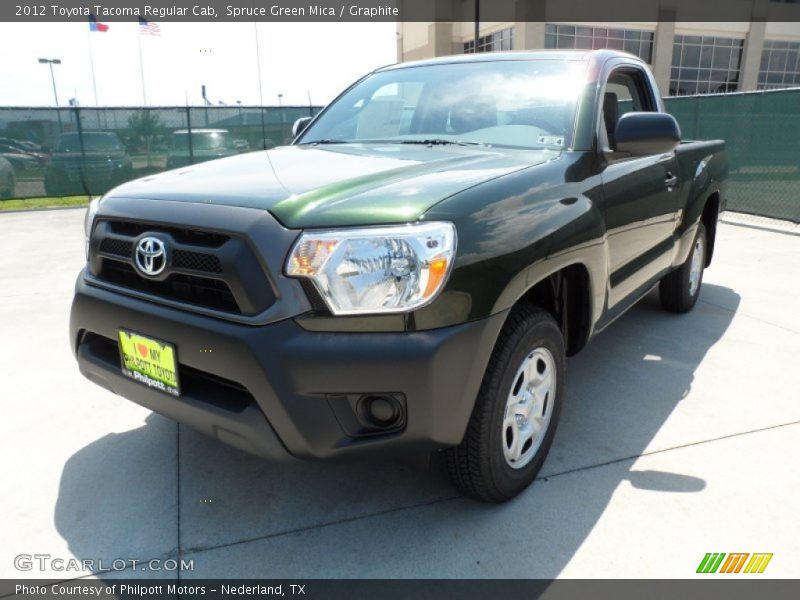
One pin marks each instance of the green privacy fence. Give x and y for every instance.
(87, 151)
(762, 135)
(49, 152)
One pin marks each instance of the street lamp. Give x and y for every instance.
(50, 62)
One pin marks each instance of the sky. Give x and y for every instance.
(297, 59)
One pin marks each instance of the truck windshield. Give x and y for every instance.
(202, 140)
(512, 103)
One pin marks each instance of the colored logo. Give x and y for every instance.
(737, 562)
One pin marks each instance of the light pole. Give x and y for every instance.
(50, 62)
(477, 26)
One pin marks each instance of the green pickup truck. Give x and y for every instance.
(410, 274)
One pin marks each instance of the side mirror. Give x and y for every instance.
(300, 125)
(645, 133)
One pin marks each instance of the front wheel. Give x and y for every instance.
(680, 289)
(516, 412)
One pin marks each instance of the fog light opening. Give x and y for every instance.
(381, 411)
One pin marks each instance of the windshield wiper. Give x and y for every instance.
(443, 142)
(427, 142)
(325, 141)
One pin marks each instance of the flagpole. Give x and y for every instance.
(91, 64)
(260, 89)
(100, 125)
(141, 64)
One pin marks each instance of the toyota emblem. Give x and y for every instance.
(150, 256)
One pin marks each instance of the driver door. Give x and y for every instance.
(640, 194)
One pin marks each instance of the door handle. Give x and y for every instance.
(671, 181)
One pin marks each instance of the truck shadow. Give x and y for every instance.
(145, 494)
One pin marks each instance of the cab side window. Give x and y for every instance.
(626, 90)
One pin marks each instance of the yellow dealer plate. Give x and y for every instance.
(148, 361)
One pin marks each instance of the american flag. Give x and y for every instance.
(148, 28)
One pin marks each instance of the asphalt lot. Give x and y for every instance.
(680, 436)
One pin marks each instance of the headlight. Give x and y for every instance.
(88, 221)
(376, 269)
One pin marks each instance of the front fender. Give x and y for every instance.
(512, 233)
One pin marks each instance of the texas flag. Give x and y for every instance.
(95, 26)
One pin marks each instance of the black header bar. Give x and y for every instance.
(401, 10)
(735, 588)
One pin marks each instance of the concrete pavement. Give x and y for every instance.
(679, 436)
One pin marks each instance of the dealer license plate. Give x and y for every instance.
(149, 361)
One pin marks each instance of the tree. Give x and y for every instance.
(144, 124)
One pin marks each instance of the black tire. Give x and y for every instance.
(478, 466)
(675, 289)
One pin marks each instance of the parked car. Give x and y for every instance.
(23, 145)
(7, 179)
(29, 146)
(23, 162)
(88, 163)
(206, 144)
(412, 272)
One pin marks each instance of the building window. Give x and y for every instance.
(576, 37)
(705, 65)
(780, 65)
(500, 40)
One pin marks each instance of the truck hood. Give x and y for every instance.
(328, 186)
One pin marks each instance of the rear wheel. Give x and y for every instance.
(680, 289)
(516, 412)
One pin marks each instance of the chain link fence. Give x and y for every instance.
(762, 135)
(87, 151)
(77, 151)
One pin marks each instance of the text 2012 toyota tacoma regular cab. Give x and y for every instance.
(410, 274)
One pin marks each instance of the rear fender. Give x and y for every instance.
(709, 173)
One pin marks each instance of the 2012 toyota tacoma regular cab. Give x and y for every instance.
(411, 273)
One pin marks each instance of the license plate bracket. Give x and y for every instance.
(149, 361)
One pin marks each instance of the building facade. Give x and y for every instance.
(686, 57)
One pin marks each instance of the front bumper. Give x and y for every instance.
(279, 390)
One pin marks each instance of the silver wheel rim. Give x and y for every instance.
(529, 408)
(698, 258)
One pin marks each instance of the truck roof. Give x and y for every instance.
(571, 55)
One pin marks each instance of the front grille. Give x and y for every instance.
(206, 270)
(182, 235)
(181, 259)
(116, 247)
(196, 261)
(199, 291)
